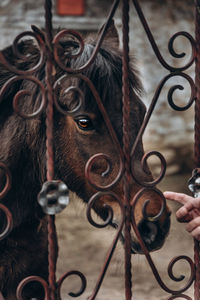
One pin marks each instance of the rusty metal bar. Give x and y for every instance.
(170, 45)
(127, 149)
(197, 82)
(197, 138)
(52, 244)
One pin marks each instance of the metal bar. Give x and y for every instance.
(155, 47)
(126, 149)
(197, 138)
(52, 244)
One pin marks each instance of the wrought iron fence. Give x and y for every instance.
(49, 55)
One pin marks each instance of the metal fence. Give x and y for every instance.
(49, 56)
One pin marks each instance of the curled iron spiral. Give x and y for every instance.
(170, 44)
(180, 87)
(170, 100)
(16, 52)
(146, 252)
(70, 55)
(68, 274)
(144, 167)
(9, 219)
(78, 37)
(29, 279)
(23, 93)
(9, 222)
(8, 182)
(109, 209)
(147, 118)
(171, 265)
(139, 194)
(77, 90)
(92, 160)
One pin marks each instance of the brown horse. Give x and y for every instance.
(77, 136)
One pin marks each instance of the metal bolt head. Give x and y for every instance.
(197, 181)
(53, 197)
(194, 184)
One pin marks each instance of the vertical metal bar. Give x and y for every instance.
(48, 22)
(126, 149)
(197, 139)
(52, 244)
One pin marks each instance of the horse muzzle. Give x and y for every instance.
(153, 235)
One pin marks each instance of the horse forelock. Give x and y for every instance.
(106, 74)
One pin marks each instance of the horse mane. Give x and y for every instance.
(106, 68)
(103, 72)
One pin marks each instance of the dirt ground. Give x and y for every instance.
(84, 247)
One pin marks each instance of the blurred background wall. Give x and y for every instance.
(169, 131)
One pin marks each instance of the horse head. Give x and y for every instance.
(88, 135)
(89, 138)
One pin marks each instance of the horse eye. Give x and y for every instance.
(85, 124)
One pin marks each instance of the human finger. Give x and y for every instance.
(182, 213)
(193, 224)
(179, 197)
(188, 207)
(185, 219)
(196, 233)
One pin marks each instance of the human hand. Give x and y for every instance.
(189, 212)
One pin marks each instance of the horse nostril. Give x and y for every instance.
(148, 231)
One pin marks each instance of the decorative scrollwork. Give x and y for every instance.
(139, 194)
(73, 50)
(70, 273)
(180, 87)
(90, 164)
(8, 225)
(172, 263)
(181, 55)
(78, 37)
(144, 167)
(170, 44)
(171, 103)
(23, 93)
(108, 208)
(9, 222)
(146, 252)
(67, 91)
(25, 57)
(29, 279)
(8, 182)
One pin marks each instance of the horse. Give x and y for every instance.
(78, 136)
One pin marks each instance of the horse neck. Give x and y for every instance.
(24, 159)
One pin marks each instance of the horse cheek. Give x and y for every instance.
(70, 161)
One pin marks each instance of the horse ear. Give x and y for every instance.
(111, 33)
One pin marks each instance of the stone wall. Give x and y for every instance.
(169, 132)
